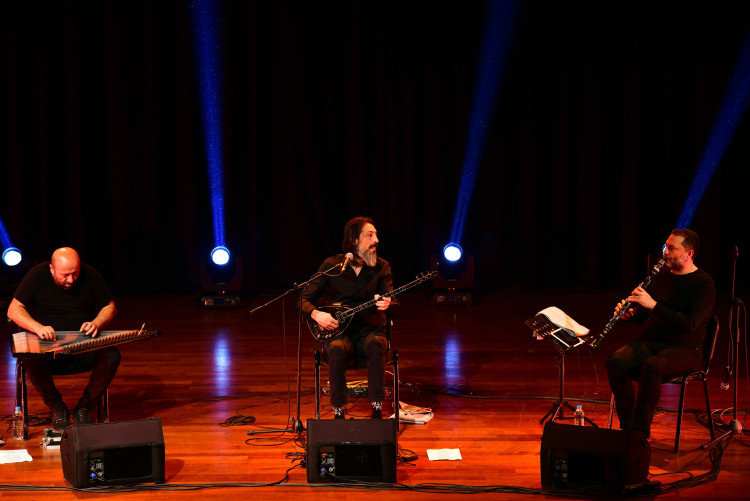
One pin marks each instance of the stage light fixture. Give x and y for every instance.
(221, 279)
(220, 255)
(454, 280)
(14, 269)
(12, 256)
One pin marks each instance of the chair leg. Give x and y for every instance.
(102, 409)
(611, 411)
(708, 410)
(21, 396)
(679, 415)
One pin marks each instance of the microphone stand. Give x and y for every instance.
(296, 425)
(735, 427)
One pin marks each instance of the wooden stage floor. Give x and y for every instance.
(488, 382)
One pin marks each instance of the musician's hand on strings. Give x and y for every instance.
(640, 296)
(324, 319)
(382, 302)
(46, 332)
(90, 329)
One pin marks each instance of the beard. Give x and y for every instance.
(675, 264)
(369, 256)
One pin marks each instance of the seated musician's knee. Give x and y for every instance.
(111, 357)
(375, 344)
(336, 349)
(615, 365)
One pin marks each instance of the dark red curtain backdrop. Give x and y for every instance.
(336, 109)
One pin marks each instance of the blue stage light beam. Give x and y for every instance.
(732, 109)
(4, 237)
(207, 52)
(498, 31)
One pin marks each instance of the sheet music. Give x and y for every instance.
(14, 456)
(562, 320)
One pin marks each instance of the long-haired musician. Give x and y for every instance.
(66, 295)
(365, 278)
(676, 312)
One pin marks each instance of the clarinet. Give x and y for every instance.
(656, 269)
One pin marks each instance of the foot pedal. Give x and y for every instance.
(51, 439)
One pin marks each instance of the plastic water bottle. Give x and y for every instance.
(578, 416)
(17, 424)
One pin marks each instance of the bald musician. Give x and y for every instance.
(66, 295)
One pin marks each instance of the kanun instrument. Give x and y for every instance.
(654, 271)
(344, 314)
(27, 344)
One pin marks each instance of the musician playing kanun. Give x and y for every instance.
(676, 311)
(364, 279)
(66, 295)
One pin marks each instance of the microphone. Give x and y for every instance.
(347, 259)
(725, 383)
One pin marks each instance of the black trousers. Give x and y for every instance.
(373, 344)
(102, 363)
(648, 363)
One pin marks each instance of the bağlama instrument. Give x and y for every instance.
(27, 344)
(344, 314)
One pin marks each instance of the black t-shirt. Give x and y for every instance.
(684, 304)
(64, 310)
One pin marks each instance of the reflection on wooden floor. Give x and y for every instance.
(215, 375)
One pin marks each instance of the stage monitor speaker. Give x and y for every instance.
(340, 450)
(575, 457)
(121, 452)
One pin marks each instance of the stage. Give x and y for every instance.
(216, 374)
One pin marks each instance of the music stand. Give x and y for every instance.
(562, 339)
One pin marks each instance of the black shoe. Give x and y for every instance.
(82, 416)
(338, 413)
(60, 419)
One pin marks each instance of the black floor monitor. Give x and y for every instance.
(340, 450)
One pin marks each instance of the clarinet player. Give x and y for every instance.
(675, 314)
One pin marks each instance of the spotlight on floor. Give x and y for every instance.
(12, 256)
(455, 276)
(221, 279)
